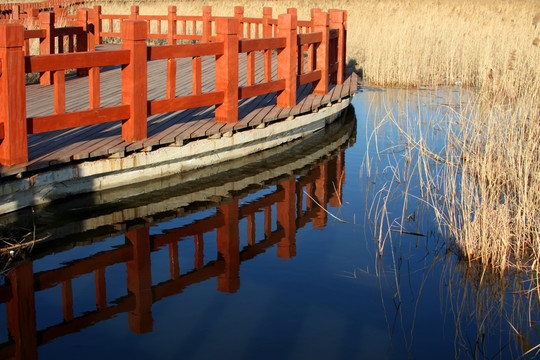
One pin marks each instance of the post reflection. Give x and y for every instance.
(295, 202)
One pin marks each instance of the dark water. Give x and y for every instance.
(243, 261)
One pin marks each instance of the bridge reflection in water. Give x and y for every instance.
(302, 189)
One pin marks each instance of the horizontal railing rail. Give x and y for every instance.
(323, 48)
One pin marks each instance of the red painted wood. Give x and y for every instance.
(248, 45)
(82, 38)
(59, 92)
(94, 98)
(250, 68)
(171, 25)
(337, 21)
(73, 119)
(227, 70)
(171, 40)
(185, 102)
(134, 80)
(46, 46)
(239, 15)
(263, 88)
(206, 23)
(321, 25)
(35, 34)
(267, 33)
(308, 77)
(42, 63)
(197, 75)
(134, 12)
(98, 26)
(180, 51)
(287, 60)
(310, 38)
(14, 146)
(171, 78)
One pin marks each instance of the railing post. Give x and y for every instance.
(267, 32)
(134, 12)
(239, 14)
(171, 25)
(16, 12)
(292, 11)
(313, 12)
(32, 19)
(82, 39)
(171, 63)
(227, 70)
(96, 20)
(60, 16)
(206, 24)
(337, 21)
(134, 80)
(267, 27)
(321, 25)
(93, 73)
(46, 45)
(14, 146)
(287, 60)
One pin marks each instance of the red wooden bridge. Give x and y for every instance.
(239, 74)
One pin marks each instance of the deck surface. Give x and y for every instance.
(94, 141)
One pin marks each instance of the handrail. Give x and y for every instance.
(324, 44)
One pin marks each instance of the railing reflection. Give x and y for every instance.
(297, 201)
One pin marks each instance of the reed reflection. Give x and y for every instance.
(297, 200)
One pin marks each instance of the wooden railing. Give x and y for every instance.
(325, 47)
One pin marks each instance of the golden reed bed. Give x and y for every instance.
(493, 44)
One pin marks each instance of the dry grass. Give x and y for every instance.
(490, 44)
